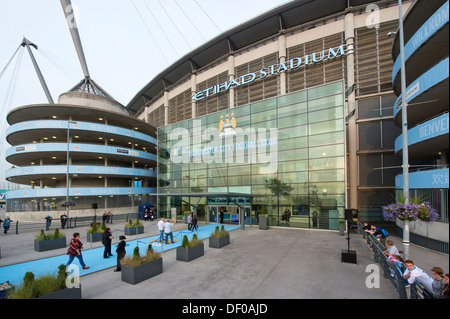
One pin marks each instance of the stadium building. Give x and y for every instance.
(290, 112)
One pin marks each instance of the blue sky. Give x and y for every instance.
(123, 52)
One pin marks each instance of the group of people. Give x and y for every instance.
(149, 215)
(165, 230)
(410, 272)
(192, 222)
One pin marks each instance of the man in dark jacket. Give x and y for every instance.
(120, 252)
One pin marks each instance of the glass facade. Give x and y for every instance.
(288, 151)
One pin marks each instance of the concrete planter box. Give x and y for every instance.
(263, 223)
(134, 230)
(68, 293)
(188, 254)
(219, 242)
(94, 237)
(50, 244)
(134, 275)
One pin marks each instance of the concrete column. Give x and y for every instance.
(193, 92)
(282, 56)
(352, 146)
(231, 75)
(166, 107)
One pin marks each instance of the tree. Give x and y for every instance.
(278, 188)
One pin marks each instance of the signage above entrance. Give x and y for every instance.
(273, 69)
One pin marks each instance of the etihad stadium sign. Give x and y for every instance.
(273, 69)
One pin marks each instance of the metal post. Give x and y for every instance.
(27, 43)
(405, 160)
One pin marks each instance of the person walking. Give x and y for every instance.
(194, 223)
(189, 221)
(6, 224)
(48, 221)
(120, 252)
(106, 241)
(161, 230)
(168, 231)
(63, 218)
(74, 250)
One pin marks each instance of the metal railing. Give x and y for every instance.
(392, 271)
(72, 222)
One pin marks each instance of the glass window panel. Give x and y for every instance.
(293, 155)
(327, 114)
(326, 151)
(330, 188)
(293, 120)
(327, 163)
(329, 138)
(324, 127)
(325, 103)
(264, 105)
(264, 125)
(298, 177)
(264, 116)
(326, 176)
(296, 166)
(293, 109)
(325, 90)
(293, 143)
(292, 132)
(292, 98)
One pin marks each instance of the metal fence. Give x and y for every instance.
(392, 271)
(72, 222)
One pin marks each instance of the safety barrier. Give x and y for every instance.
(72, 222)
(392, 271)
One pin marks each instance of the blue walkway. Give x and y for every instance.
(94, 257)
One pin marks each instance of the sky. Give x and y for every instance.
(126, 44)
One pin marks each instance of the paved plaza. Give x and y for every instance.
(274, 264)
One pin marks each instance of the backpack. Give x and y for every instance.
(384, 232)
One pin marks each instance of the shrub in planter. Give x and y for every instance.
(134, 228)
(190, 250)
(51, 286)
(341, 227)
(50, 240)
(94, 234)
(219, 238)
(137, 268)
(263, 219)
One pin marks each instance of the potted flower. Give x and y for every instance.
(263, 219)
(134, 228)
(219, 238)
(190, 250)
(137, 268)
(410, 212)
(49, 240)
(53, 286)
(67, 203)
(94, 234)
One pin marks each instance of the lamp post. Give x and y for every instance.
(67, 164)
(405, 160)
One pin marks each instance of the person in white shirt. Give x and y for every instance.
(168, 231)
(161, 230)
(413, 272)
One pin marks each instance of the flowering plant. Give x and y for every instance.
(67, 203)
(410, 212)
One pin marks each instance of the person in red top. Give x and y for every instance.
(74, 250)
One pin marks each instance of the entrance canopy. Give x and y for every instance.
(230, 196)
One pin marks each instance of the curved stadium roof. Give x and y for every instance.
(271, 23)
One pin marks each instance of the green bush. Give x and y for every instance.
(50, 235)
(130, 224)
(219, 233)
(36, 287)
(185, 243)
